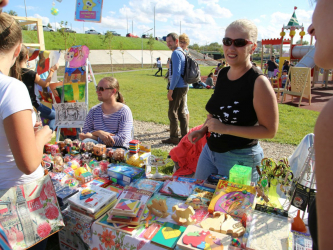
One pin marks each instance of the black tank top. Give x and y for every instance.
(232, 103)
(28, 78)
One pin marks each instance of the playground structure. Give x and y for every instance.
(301, 55)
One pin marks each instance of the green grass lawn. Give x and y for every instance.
(146, 94)
(54, 41)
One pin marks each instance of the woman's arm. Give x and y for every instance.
(324, 174)
(124, 134)
(265, 105)
(26, 145)
(45, 83)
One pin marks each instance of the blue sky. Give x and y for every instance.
(203, 20)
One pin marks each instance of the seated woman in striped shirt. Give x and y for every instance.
(111, 121)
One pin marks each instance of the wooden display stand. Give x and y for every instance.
(40, 34)
(300, 84)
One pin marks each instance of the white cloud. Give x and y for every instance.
(28, 7)
(263, 16)
(218, 11)
(207, 1)
(45, 20)
(256, 20)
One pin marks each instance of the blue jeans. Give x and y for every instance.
(47, 113)
(220, 163)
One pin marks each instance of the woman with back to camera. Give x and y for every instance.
(29, 78)
(21, 148)
(241, 110)
(321, 229)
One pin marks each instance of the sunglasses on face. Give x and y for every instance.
(239, 42)
(101, 88)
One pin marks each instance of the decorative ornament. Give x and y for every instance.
(282, 33)
(54, 11)
(302, 33)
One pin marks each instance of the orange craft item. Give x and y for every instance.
(298, 224)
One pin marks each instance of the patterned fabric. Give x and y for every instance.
(119, 123)
(4, 244)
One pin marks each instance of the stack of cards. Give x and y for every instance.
(126, 207)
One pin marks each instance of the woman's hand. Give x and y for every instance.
(195, 136)
(55, 66)
(44, 135)
(37, 125)
(214, 125)
(106, 138)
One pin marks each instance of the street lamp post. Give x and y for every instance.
(142, 46)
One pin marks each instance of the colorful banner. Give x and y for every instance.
(88, 10)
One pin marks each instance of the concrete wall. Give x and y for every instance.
(130, 56)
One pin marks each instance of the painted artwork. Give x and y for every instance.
(232, 198)
(89, 10)
(70, 115)
(30, 212)
(198, 238)
(43, 62)
(76, 56)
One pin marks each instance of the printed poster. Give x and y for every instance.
(88, 10)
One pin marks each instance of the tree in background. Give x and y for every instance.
(11, 12)
(303, 43)
(108, 41)
(49, 25)
(69, 38)
(121, 49)
(150, 43)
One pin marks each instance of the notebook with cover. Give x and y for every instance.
(106, 196)
(168, 235)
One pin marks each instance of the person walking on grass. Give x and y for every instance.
(159, 66)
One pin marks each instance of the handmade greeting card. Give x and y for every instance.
(168, 235)
(198, 238)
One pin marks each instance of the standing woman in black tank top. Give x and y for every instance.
(322, 221)
(242, 109)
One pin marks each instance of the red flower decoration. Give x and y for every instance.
(43, 229)
(52, 212)
(107, 238)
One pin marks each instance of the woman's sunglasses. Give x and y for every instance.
(101, 88)
(239, 42)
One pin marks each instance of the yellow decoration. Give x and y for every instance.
(88, 5)
(135, 160)
(170, 233)
(292, 33)
(302, 33)
(282, 33)
(79, 171)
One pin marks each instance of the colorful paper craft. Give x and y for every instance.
(168, 235)
(231, 198)
(198, 238)
(200, 197)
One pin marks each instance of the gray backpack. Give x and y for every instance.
(192, 71)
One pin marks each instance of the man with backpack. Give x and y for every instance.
(177, 90)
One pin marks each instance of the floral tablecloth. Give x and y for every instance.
(106, 238)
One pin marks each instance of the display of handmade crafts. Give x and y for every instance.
(271, 174)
